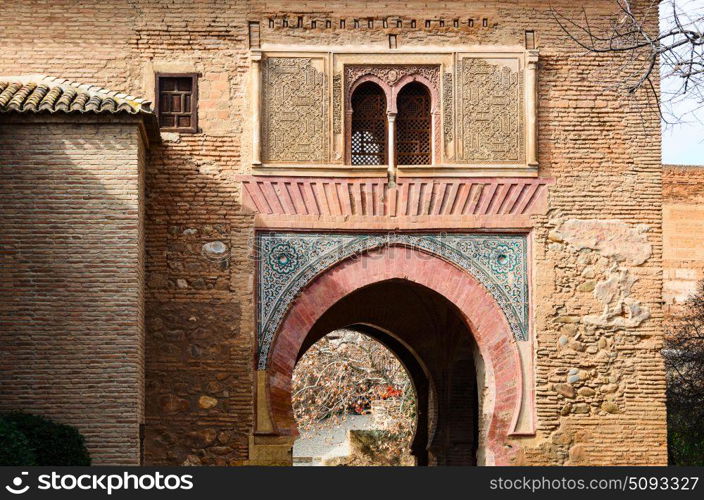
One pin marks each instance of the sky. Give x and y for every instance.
(683, 142)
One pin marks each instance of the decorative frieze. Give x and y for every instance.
(518, 198)
(295, 111)
(288, 262)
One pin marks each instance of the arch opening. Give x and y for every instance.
(369, 125)
(431, 340)
(354, 402)
(414, 125)
(381, 289)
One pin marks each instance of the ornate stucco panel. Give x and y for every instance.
(491, 111)
(288, 262)
(483, 107)
(337, 104)
(448, 107)
(391, 74)
(295, 111)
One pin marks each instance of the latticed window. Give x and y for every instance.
(413, 125)
(177, 102)
(368, 125)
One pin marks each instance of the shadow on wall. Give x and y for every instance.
(71, 295)
(199, 279)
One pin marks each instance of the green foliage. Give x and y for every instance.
(14, 446)
(52, 444)
(685, 441)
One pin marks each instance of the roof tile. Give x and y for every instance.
(45, 94)
(39, 93)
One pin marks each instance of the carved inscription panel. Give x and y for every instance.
(491, 117)
(294, 111)
(447, 107)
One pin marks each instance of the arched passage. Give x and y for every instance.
(428, 334)
(474, 306)
(358, 378)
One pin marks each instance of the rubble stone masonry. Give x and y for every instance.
(596, 252)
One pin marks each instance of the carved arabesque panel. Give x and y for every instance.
(391, 74)
(448, 107)
(295, 111)
(337, 104)
(491, 121)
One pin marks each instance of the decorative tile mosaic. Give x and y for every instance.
(287, 262)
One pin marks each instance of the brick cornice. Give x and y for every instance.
(281, 200)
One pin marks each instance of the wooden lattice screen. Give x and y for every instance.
(368, 125)
(413, 126)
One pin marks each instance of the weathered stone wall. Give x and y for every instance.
(683, 234)
(71, 279)
(200, 359)
(597, 312)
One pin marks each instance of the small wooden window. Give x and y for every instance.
(177, 102)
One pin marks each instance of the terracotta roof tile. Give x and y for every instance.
(39, 93)
(46, 94)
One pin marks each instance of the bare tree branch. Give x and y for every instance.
(347, 373)
(684, 361)
(676, 49)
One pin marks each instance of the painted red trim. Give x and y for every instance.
(412, 196)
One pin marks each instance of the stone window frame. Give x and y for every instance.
(356, 75)
(193, 129)
(445, 161)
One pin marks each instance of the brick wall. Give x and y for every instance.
(683, 233)
(71, 316)
(601, 147)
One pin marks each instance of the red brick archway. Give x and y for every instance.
(478, 308)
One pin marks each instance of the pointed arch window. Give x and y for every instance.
(369, 125)
(414, 125)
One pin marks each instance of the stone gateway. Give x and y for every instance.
(454, 179)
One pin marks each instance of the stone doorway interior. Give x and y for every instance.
(428, 336)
